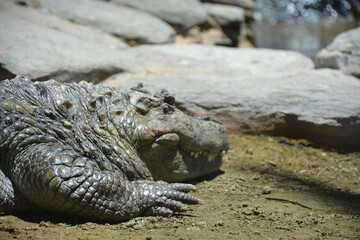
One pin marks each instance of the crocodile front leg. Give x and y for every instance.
(7, 194)
(11, 200)
(54, 176)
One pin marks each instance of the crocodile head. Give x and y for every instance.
(175, 147)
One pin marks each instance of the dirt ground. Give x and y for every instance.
(269, 188)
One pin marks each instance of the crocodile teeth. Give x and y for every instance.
(222, 153)
(209, 156)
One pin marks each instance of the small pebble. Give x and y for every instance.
(219, 224)
(272, 163)
(267, 190)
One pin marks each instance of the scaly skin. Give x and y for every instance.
(99, 152)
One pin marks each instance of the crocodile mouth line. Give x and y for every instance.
(171, 138)
(204, 154)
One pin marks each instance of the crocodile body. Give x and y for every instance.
(99, 152)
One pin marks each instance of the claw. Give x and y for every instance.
(184, 197)
(175, 206)
(183, 187)
(164, 199)
(159, 211)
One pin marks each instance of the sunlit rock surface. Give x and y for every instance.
(42, 46)
(254, 91)
(343, 53)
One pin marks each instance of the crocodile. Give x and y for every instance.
(101, 153)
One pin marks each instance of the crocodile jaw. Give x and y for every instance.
(178, 157)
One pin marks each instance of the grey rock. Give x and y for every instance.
(343, 53)
(256, 91)
(247, 4)
(183, 14)
(225, 15)
(121, 21)
(230, 18)
(53, 22)
(40, 46)
(204, 61)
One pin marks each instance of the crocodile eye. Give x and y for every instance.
(147, 102)
(143, 105)
(141, 109)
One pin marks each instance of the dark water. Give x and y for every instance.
(305, 37)
(301, 25)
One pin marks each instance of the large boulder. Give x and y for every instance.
(204, 61)
(125, 22)
(254, 91)
(343, 53)
(53, 22)
(41, 46)
(183, 14)
(247, 4)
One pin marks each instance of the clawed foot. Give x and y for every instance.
(163, 199)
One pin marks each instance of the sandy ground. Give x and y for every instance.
(269, 188)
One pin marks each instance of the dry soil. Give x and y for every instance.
(268, 188)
